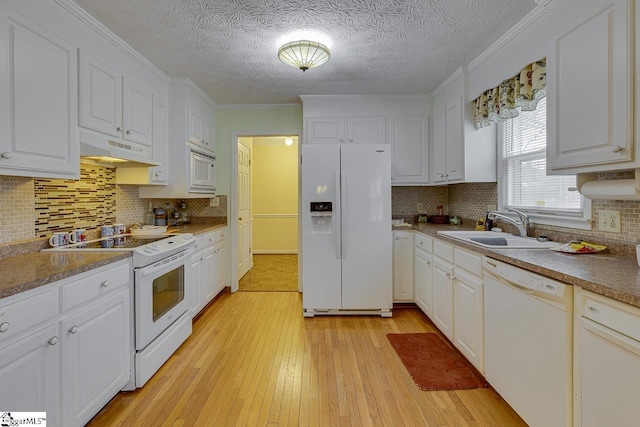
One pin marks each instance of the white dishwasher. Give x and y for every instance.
(608, 362)
(528, 321)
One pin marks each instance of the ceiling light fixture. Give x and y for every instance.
(304, 54)
(288, 141)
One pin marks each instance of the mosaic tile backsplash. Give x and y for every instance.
(35, 208)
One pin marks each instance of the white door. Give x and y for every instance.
(138, 109)
(443, 297)
(468, 328)
(244, 214)
(366, 235)
(403, 266)
(423, 280)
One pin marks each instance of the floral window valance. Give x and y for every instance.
(522, 90)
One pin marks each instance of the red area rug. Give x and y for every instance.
(433, 364)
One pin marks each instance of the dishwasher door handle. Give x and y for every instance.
(611, 335)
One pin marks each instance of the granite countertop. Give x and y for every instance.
(24, 267)
(614, 276)
(21, 273)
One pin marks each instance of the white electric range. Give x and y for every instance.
(161, 299)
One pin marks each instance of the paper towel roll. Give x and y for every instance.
(618, 189)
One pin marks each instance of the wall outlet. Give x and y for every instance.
(420, 208)
(609, 221)
(492, 208)
(214, 201)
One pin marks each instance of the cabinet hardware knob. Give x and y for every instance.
(4, 326)
(157, 174)
(240, 219)
(73, 330)
(397, 238)
(341, 139)
(592, 309)
(53, 341)
(350, 139)
(617, 149)
(6, 155)
(128, 132)
(105, 284)
(119, 128)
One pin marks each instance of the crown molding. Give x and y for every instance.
(110, 36)
(424, 96)
(460, 72)
(184, 81)
(258, 107)
(513, 32)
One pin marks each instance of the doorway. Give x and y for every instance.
(265, 211)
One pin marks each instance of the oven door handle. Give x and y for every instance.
(168, 264)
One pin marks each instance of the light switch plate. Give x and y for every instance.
(609, 221)
(214, 201)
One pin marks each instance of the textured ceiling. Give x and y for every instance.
(229, 47)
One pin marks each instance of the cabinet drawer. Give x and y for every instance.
(613, 314)
(28, 312)
(208, 239)
(443, 250)
(424, 242)
(87, 288)
(220, 235)
(468, 261)
(198, 245)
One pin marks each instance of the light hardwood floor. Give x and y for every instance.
(271, 272)
(253, 360)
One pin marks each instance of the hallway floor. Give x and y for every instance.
(271, 273)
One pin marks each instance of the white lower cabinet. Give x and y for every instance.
(65, 348)
(468, 307)
(442, 312)
(208, 273)
(96, 356)
(423, 273)
(29, 371)
(403, 266)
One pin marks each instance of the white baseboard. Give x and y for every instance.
(275, 252)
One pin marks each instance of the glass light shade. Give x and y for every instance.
(304, 54)
(288, 141)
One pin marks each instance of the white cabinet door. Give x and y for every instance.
(100, 96)
(439, 146)
(194, 283)
(138, 111)
(96, 357)
(209, 285)
(325, 130)
(409, 148)
(468, 324)
(590, 89)
(442, 311)
(29, 372)
(209, 142)
(403, 266)
(423, 280)
(366, 130)
(454, 139)
(220, 270)
(195, 128)
(160, 174)
(39, 107)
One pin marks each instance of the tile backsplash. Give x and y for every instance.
(33, 208)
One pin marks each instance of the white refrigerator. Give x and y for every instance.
(346, 229)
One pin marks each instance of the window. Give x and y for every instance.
(523, 182)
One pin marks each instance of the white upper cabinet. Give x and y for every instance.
(113, 104)
(100, 96)
(201, 129)
(459, 153)
(138, 111)
(160, 174)
(359, 130)
(38, 112)
(590, 89)
(409, 149)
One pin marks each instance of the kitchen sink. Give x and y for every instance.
(495, 240)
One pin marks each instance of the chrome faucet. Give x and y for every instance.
(522, 224)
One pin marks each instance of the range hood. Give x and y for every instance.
(616, 189)
(113, 152)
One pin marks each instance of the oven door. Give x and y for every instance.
(160, 296)
(202, 177)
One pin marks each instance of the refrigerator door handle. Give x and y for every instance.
(336, 223)
(344, 213)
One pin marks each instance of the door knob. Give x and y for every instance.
(240, 219)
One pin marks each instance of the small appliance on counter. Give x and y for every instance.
(440, 218)
(160, 216)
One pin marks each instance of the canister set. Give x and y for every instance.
(113, 233)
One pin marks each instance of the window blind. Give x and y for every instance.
(525, 182)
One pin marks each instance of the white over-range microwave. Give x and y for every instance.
(202, 171)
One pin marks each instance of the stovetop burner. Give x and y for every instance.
(121, 242)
